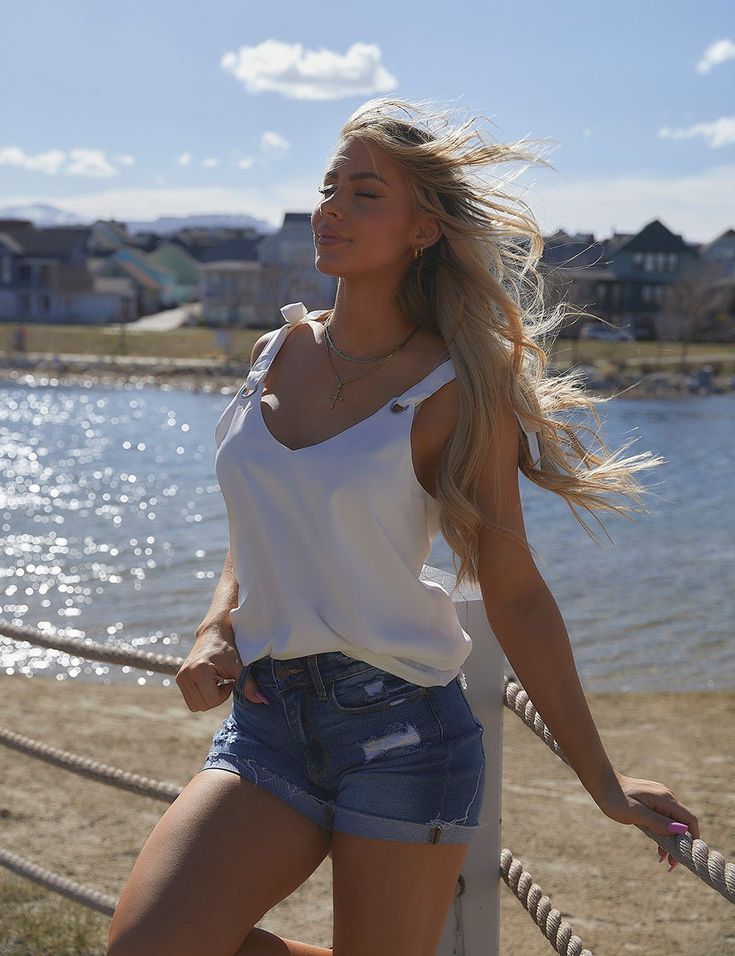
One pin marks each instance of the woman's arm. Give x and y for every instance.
(205, 678)
(224, 599)
(528, 625)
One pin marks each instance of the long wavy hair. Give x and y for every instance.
(479, 288)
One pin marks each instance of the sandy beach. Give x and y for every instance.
(603, 877)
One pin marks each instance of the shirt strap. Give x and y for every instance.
(292, 314)
(428, 385)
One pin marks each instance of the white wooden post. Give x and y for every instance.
(473, 923)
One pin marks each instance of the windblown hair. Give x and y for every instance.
(479, 289)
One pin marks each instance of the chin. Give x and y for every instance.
(323, 265)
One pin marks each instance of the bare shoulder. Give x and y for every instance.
(260, 343)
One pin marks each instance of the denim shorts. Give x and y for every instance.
(357, 749)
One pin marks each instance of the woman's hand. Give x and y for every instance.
(648, 804)
(208, 674)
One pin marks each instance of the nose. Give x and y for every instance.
(326, 204)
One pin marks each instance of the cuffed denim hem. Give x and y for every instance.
(405, 831)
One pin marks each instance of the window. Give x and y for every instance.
(648, 263)
(673, 262)
(637, 261)
(6, 270)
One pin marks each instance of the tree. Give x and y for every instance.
(690, 307)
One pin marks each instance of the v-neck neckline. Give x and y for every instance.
(257, 395)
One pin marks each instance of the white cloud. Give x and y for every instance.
(49, 162)
(210, 162)
(245, 162)
(79, 162)
(715, 54)
(125, 159)
(273, 143)
(89, 162)
(721, 132)
(299, 74)
(184, 159)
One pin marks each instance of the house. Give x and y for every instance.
(720, 253)
(246, 279)
(230, 293)
(155, 285)
(287, 257)
(44, 277)
(181, 264)
(625, 279)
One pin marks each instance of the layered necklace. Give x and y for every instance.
(380, 359)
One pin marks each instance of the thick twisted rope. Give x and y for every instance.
(133, 782)
(111, 654)
(94, 899)
(549, 920)
(709, 865)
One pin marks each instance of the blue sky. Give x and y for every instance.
(171, 108)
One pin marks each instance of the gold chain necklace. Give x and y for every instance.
(335, 397)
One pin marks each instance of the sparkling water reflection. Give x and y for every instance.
(113, 528)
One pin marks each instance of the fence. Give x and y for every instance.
(473, 922)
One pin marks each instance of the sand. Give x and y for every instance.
(604, 877)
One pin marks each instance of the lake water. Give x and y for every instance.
(113, 528)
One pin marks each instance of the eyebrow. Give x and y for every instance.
(332, 174)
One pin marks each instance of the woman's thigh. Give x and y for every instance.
(391, 898)
(222, 855)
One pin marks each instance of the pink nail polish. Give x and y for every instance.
(262, 697)
(675, 827)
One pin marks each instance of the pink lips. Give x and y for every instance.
(329, 240)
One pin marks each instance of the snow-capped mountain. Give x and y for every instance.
(41, 214)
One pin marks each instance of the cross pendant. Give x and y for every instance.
(336, 397)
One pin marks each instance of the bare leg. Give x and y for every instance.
(260, 943)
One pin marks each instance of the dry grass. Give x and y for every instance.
(201, 343)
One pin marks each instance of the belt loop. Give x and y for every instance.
(316, 676)
(240, 682)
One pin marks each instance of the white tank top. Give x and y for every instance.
(328, 541)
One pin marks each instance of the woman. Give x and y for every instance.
(350, 733)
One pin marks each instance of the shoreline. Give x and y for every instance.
(210, 376)
(603, 877)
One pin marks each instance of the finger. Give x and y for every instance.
(250, 690)
(682, 814)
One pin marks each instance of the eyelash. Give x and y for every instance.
(369, 195)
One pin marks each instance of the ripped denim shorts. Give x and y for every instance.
(358, 749)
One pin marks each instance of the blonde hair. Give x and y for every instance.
(479, 288)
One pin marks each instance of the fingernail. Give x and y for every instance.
(661, 856)
(675, 863)
(675, 827)
(262, 697)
